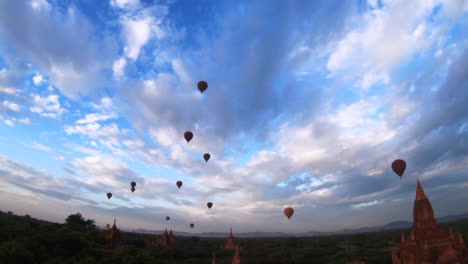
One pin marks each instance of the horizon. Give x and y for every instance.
(307, 106)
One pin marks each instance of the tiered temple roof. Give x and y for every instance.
(166, 239)
(230, 244)
(428, 242)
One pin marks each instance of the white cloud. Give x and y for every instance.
(389, 36)
(25, 121)
(40, 4)
(124, 3)
(47, 106)
(59, 158)
(38, 79)
(119, 67)
(106, 104)
(108, 135)
(135, 144)
(39, 146)
(137, 33)
(8, 90)
(138, 28)
(9, 122)
(95, 117)
(12, 106)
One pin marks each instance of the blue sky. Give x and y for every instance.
(308, 104)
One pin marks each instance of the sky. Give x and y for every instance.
(308, 103)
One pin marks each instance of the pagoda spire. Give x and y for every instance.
(214, 259)
(420, 195)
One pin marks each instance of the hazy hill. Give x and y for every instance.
(389, 226)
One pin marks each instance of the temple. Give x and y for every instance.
(113, 238)
(166, 239)
(171, 237)
(236, 259)
(428, 242)
(230, 244)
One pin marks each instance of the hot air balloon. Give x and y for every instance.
(167, 218)
(206, 156)
(209, 204)
(188, 136)
(107, 226)
(133, 184)
(288, 212)
(399, 167)
(133, 189)
(191, 226)
(109, 195)
(202, 86)
(179, 184)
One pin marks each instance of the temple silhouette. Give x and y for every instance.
(113, 237)
(166, 239)
(230, 244)
(428, 243)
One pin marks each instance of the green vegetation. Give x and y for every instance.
(27, 240)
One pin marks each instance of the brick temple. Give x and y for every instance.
(166, 239)
(428, 243)
(113, 237)
(230, 244)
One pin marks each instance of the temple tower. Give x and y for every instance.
(113, 237)
(230, 244)
(428, 242)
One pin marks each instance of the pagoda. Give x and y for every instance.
(236, 259)
(113, 237)
(164, 240)
(230, 244)
(428, 243)
(171, 237)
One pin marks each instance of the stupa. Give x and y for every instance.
(230, 244)
(428, 243)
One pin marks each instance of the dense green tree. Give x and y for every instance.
(78, 220)
(13, 252)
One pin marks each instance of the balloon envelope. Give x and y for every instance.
(399, 167)
(133, 184)
(288, 212)
(167, 218)
(188, 136)
(109, 195)
(206, 156)
(107, 225)
(191, 225)
(179, 184)
(209, 204)
(202, 86)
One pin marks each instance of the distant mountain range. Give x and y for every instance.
(389, 226)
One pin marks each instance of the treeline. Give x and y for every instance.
(26, 240)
